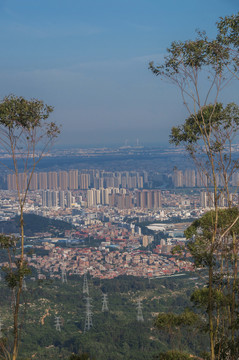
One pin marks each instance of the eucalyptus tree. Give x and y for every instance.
(26, 135)
(201, 69)
(224, 290)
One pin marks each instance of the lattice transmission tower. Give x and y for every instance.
(51, 271)
(105, 303)
(58, 323)
(88, 318)
(38, 273)
(85, 285)
(139, 313)
(76, 272)
(63, 274)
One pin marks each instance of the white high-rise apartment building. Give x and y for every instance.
(69, 199)
(55, 198)
(62, 199)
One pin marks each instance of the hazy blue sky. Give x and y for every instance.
(89, 59)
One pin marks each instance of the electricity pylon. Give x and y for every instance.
(85, 285)
(50, 271)
(88, 318)
(58, 323)
(105, 303)
(77, 272)
(63, 274)
(38, 273)
(139, 313)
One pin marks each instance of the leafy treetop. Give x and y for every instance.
(204, 225)
(17, 113)
(228, 29)
(210, 120)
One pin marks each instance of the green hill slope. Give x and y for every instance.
(34, 224)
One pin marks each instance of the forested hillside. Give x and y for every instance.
(34, 224)
(115, 334)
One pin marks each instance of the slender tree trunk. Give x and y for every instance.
(235, 274)
(210, 313)
(17, 306)
(15, 325)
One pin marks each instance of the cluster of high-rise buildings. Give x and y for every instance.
(114, 197)
(54, 198)
(121, 198)
(193, 178)
(207, 199)
(100, 179)
(76, 179)
(148, 199)
(189, 178)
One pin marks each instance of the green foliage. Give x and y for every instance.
(200, 298)
(227, 348)
(178, 250)
(171, 320)
(26, 135)
(8, 241)
(36, 224)
(204, 355)
(220, 298)
(15, 275)
(178, 327)
(175, 355)
(203, 227)
(191, 54)
(220, 54)
(18, 113)
(228, 29)
(207, 135)
(116, 334)
(214, 119)
(126, 283)
(82, 356)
